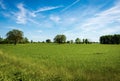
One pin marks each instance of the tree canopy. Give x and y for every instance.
(14, 36)
(77, 41)
(24, 40)
(110, 39)
(48, 41)
(60, 39)
(1, 40)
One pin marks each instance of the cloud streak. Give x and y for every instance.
(103, 19)
(69, 6)
(55, 18)
(105, 22)
(2, 5)
(24, 15)
(47, 9)
(21, 15)
(44, 9)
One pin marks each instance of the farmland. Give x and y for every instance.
(59, 62)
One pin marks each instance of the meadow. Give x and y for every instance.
(59, 62)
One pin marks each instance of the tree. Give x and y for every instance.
(116, 39)
(14, 36)
(71, 41)
(48, 41)
(83, 41)
(31, 41)
(68, 42)
(77, 41)
(25, 40)
(110, 39)
(60, 39)
(1, 40)
(86, 41)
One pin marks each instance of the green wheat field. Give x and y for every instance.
(59, 62)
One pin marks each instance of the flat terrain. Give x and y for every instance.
(59, 62)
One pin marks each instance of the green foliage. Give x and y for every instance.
(71, 41)
(1, 40)
(110, 39)
(48, 41)
(53, 62)
(68, 42)
(24, 40)
(77, 41)
(86, 41)
(60, 39)
(31, 41)
(14, 36)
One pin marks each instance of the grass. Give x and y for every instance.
(54, 62)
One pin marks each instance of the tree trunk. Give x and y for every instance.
(15, 42)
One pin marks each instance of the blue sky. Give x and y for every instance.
(44, 19)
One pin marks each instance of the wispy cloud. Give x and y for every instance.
(114, 30)
(103, 19)
(2, 5)
(33, 21)
(39, 31)
(105, 22)
(47, 9)
(24, 15)
(69, 6)
(54, 18)
(33, 13)
(21, 15)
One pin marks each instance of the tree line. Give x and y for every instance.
(16, 36)
(110, 39)
(13, 37)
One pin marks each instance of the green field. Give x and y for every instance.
(59, 62)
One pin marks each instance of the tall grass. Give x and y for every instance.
(60, 62)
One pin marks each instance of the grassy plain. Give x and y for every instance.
(59, 62)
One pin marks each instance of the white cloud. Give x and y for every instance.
(69, 6)
(55, 18)
(2, 4)
(24, 15)
(47, 24)
(33, 13)
(70, 20)
(47, 9)
(40, 31)
(105, 22)
(111, 30)
(103, 19)
(33, 21)
(21, 15)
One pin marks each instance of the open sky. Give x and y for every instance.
(44, 19)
